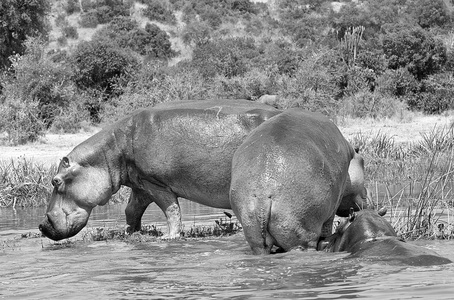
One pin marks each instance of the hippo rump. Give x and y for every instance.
(289, 178)
(367, 235)
(176, 149)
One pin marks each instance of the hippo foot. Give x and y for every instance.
(169, 236)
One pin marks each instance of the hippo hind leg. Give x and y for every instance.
(291, 233)
(254, 217)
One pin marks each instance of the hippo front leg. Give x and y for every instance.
(137, 204)
(168, 203)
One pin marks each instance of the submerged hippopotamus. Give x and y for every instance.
(366, 234)
(176, 149)
(289, 178)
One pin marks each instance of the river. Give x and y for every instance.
(209, 268)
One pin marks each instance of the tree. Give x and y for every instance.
(413, 48)
(98, 64)
(19, 19)
(430, 13)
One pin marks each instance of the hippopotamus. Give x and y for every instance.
(176, 149)
(289, 178)
(367, 235)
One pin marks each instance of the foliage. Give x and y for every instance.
(413, 48)
(159, 10)
(70, 32)
(20, 18)
(89, 19)
(366, 104)
(436, 94)
(24, 184)
(227, 57)
(150, 41)
(196, 33)
(431, 13)
(35, 78)
(19, 120)
(97, 65)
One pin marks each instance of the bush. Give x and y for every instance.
(37, 78)
(89, 19)
(435, 96)
(431, 13)
(369, 104)
(97, 65)
(227, 57)
(70, 32)
(397, 83)
(19, 120)
(72, 6)
(196, 33)
(413, 48)
(160, 11)
(150, 41)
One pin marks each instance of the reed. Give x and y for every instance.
(24, 183)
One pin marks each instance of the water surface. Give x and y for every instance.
(211, 268)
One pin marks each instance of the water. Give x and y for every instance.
(213, 268)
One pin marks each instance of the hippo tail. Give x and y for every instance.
(264, 217)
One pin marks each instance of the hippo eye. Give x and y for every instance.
(65, 162)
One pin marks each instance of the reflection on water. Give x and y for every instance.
(196, 269)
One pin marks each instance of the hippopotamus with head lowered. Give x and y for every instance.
(289, 178)
(366, 234)
(175, 149)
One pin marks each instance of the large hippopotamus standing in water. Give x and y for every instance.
(366, 234)
(177, 149)
(289, 178)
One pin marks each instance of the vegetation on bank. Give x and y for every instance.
(64, 63)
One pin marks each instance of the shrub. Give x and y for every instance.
(20, 121)
(89, 19)
(62, 41)
(150, 41)
(370, 104)
(72, 6)
(196, 33)
(37, 78)
(397, 83)
(413, 48)
(227, 57)
(436, 94)
(431, 13)
(70, 32)
(98, 64)
(160, 11)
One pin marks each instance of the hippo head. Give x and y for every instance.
(78, 188)
(355, 195)
(360, 226)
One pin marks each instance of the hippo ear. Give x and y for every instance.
(352, 215)
(382, 211)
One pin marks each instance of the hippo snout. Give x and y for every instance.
(47, 228)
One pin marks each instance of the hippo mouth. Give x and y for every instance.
(49, 231)
(64, 227)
